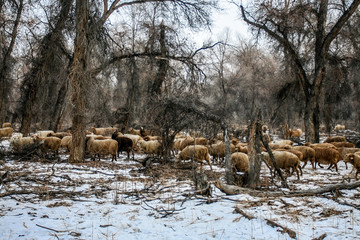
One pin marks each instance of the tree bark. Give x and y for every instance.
(234, 190)
(4, 67)
(78, 77)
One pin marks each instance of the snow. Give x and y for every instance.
(121, 200)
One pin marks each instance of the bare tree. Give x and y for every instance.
(8, 37)
(292, 23)
(194, 12)
(47, 75)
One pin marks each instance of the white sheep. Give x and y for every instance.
(153, 147)
(102, 147)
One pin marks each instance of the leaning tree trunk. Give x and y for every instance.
(253, 178)
(78, 77)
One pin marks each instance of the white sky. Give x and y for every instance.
(229, 18)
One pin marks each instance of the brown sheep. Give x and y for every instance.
(335, 139)
(6, 132)
(284, 160)
(102, 147)
(321, 145)
(242, 147)
(66, 143)
(6, 124)
(354, 159)
(295, 133)
(49, 143)
(198, 152)
(60, 135)
(104, 131)
(217, 150)
(151, 138)
(240, 162)
(124, 144)
(326, 156)
(308, 155)
(344, 150)
(134, 131)
(343, 144)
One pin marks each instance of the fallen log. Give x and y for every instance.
(234, 190)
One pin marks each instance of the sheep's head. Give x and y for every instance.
(350, 158)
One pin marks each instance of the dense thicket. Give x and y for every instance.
(141, 57)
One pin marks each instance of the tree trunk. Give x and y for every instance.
(254, 158)
(4, 68)
(163, 64)
(78, 77)
(229, 171)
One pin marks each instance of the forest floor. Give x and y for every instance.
(52, 199)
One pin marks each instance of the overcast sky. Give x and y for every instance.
(230, 19)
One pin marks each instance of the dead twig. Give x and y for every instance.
(51, 229)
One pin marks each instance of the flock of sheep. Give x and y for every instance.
(110, 141)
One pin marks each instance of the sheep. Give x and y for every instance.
(49, 143)
(6, 124)
(135, 138)
(339, 127)
(242, 147)
(343, 144)
(308, 154)
(191, 141)
(19, 143)
(217, 150)
(326, 156)
(44, 133)
(151, 138)
(321, 145)
(60, 135)
(134, 131)
(6, 132)
(354, 159)
(177, 144)
(124, 143)
(295, 133)
(240, 162)
(284, 160)
(344, 150)
(102, 147)
(280, 145)
(283, 142)
(198, 152)
(335, 139)
(153, 147)
(66, 143)
(103, 131)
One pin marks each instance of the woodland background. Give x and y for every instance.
(139, 66)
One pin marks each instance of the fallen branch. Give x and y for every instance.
(233, 190)
(291, 233)
(321, 237)
(238, 210)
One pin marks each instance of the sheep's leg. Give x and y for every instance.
(313, 164)
(297, 173)
(210, 164)
(304, 164)
(300, 168)
(319, 165)
(346, 165)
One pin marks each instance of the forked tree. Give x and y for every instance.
(305, 31)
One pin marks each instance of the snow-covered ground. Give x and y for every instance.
(122, 200)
